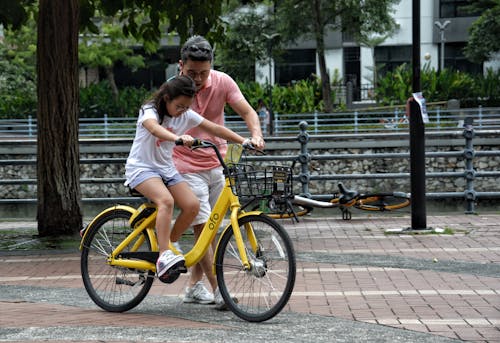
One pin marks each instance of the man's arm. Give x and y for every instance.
(251, 118)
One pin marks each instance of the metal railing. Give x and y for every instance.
(470, 173)
(285, 124)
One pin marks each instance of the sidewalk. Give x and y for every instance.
(355, 283)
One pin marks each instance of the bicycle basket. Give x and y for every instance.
(247, 181)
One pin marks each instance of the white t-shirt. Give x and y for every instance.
(150, 153)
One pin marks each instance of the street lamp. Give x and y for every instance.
(442, 27)
(270, 38)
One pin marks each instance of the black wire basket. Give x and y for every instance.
(248, 181)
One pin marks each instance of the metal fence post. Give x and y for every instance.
(480, 115)
(30, 126)
(356, 122)
(315, 122)
(438, 117)
(469, 194)
(106, 125)
(304, 159)
(276, 123)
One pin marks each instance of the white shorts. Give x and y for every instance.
(206, 185)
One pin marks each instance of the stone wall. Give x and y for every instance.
(340, 166)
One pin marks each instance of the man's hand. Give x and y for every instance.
(258, 142)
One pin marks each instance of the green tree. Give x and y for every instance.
(244, 41)
(17, 70)
(106, 49)
(316, 17)
(484, 32)
(58, 24)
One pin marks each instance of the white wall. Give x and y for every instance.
(334, 60)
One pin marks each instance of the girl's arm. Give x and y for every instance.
(159, 131)
(221, 131)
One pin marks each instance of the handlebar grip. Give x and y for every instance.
(196, 142)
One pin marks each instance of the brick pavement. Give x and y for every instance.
(435, 285)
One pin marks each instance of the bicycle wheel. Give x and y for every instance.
(260, 293)
(281, 210)
(383, 201)
(113, 288)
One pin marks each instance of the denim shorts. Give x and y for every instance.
(148, 174)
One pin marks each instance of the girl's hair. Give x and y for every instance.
(173, 88)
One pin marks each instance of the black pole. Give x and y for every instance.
(417, 134)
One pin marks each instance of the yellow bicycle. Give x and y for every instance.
(254, 261)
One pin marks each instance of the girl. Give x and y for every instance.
(151, 171)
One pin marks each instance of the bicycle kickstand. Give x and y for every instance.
(346, 214)
(290, 207)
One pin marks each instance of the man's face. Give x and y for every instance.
(197, 70)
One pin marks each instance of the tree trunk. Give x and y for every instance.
(110, 75)
(58, 170)
(320, 49)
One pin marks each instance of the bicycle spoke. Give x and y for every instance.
(262, 291)
(113, 288)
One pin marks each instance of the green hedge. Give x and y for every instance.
(19, 93)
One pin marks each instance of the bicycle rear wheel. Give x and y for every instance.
(260, 293)
(113, 288)
(383, 201)
(281, 210)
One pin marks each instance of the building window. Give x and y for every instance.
(297, 64)
(391, 57)
(454, 59)
(455, 8)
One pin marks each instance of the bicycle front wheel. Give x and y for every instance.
(260, 293)
(383, 201)
(113, 288)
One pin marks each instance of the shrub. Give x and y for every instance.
(97, 100)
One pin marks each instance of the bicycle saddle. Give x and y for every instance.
(347, 195)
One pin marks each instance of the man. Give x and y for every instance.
(200, 168)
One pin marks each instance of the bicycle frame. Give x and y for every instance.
(227, 201)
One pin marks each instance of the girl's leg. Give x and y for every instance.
(188, 204)
(155, 190)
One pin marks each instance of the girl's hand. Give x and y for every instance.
(187, 140)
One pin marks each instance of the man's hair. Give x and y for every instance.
(196, 48)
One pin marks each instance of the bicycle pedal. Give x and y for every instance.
(169, 277)
(173, 273)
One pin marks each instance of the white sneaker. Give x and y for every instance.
(198, 294)
(166, 261)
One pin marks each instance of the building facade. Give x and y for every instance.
(443, 24)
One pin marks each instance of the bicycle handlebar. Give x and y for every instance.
(200, 143)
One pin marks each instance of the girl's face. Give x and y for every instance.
(179, 105)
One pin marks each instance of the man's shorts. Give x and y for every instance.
(206, 185)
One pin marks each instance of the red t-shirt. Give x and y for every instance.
(219, 90)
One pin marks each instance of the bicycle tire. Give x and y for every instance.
(281, 210)
(260, 293)
(113, 288)
(295, 211)
(383, 201)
